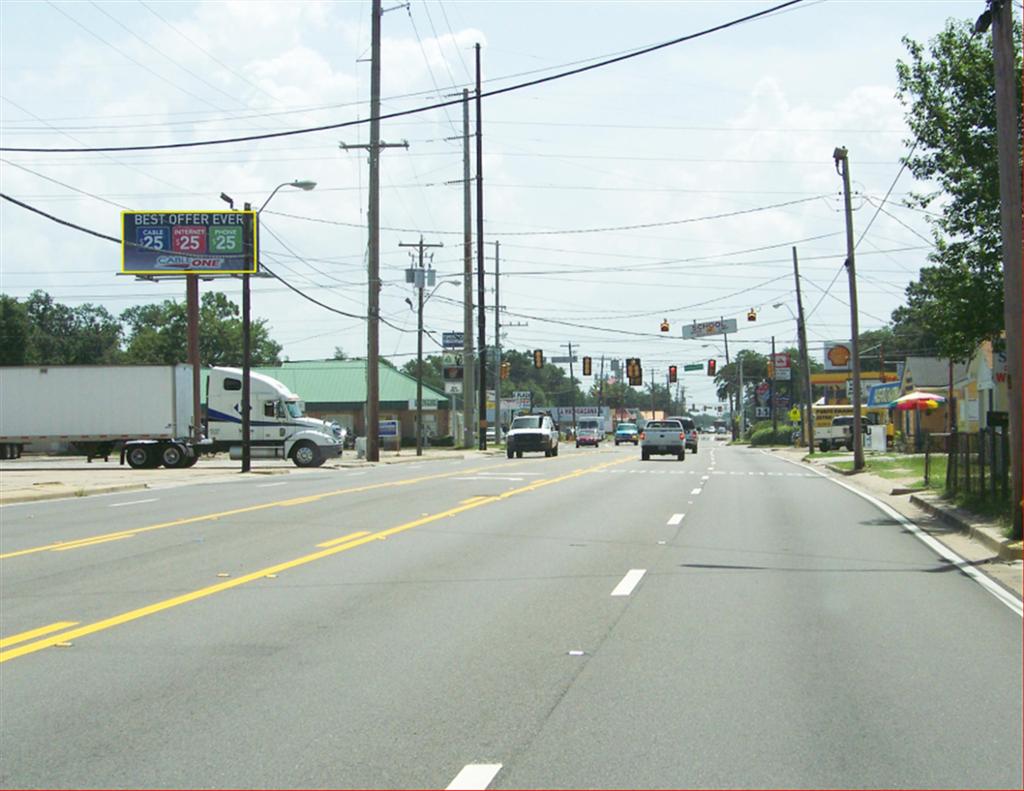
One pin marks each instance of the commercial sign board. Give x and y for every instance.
(453, 388)
(780, 360)
(453, 340)
(701, 329)
(837, 356)
(387, 429)
(883, 394)
(783, 374)
(169, 242)
(451, 368)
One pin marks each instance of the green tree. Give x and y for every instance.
(62, 335)
(157, 334)
(15, 329)
(432, 376)
(949, 96)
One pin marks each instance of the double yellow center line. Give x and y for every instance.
(330, 548)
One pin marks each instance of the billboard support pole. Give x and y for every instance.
(192, 307)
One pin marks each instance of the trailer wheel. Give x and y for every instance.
(305, 454)
(140, 458)
(173, 456)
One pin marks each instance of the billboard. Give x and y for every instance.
(837, 356)
(169, 242)
(701, 329)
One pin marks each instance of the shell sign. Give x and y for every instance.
(837, 357)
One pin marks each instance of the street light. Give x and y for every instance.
(306, 186)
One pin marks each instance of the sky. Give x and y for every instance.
(670, 186)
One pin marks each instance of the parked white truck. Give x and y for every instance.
(145, 411)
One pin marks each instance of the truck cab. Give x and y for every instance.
(279, 427)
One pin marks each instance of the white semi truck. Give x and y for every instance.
(145, 411)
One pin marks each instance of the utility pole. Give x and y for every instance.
(247, 365)
(373, 243)
(775, 412)
(742, 406)
(1007, 106)
(801, 329)
(572, 389)
(481, 319)
(732, 414)
(468, 360)
(420, 280)
(497, 344)
(843, 168)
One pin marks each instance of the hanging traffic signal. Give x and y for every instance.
(587, 366)
(672, 373)
(538, 358)
(506, 369)
(634, 372)
(664, 325)
(751, 315)
(712, 366)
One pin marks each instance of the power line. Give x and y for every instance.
(417, 110)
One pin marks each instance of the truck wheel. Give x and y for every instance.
(190, 461)
(547, 453)
(645, 455)
(305, 454)
(509, 452)
(554, 451)
(140, 458)
(823, 446)
(173, 456)
(519, 454)
(681, 455)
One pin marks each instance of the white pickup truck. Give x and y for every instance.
(663, 437)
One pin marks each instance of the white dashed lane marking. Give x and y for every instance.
(676, 519)
(629, 582)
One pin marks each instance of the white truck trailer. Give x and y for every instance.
(145, 411)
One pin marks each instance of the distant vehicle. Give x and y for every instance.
(589, 431)
(532, 433)
(627, 432)
(692, 435)
(491, 434)
(839, 434)
(664, 438)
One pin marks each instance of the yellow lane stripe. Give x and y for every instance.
(343, 539)
(167, 604)
(236, 511)
(88, 542)
(473, 499)
(20, 638)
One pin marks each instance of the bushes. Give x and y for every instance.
(765, 436)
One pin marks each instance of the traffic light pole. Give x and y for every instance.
(497, 344)
(572, 389)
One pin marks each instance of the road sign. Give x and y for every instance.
(781, 360)
(693, 367)
(453, 388)
(784, 374)
(168, 242)
(794, 414)
(701, 329)
(451, 358)
(564, 359)
(762, 411)
(453, 340)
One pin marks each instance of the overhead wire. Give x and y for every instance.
(416, 110)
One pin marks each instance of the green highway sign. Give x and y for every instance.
(693, 367)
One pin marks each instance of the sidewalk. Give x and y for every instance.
(40, 477)
(974, 538)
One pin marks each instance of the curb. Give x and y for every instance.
(839, 470)
(31, 497)
(987, 534)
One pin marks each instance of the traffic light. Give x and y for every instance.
(506, 369)
(634, 372)
(751, 315)
(538, 358)
(712, 366)
(587, 366)
(672, 373)
(664, 325)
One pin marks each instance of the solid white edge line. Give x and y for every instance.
(994, 588)
(629, 582)
(133, 502)
(474, 776)
(675, 519)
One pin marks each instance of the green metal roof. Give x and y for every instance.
(344, 382)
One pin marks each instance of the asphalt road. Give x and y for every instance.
(585, 621)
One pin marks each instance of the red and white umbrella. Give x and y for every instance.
(918, 399)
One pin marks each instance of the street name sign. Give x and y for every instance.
(693, 367)
(170, 242)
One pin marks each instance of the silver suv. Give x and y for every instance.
(692, 435)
